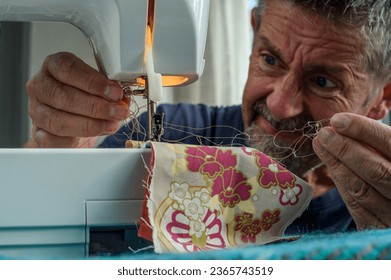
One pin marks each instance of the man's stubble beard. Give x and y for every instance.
(300, 160)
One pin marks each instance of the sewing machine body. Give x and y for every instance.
(116, 30)
(53, 201)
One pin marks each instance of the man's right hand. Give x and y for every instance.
(71, 104)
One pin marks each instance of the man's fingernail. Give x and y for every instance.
(114, 93)
(340, 121)
(326, 136)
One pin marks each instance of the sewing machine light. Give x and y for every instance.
(168, 81)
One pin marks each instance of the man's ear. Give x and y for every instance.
(253, 19)
(380, 110)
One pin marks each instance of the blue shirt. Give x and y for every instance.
(205, 125)
(189, 124)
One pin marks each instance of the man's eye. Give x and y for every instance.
(269, 59)
(323, 82)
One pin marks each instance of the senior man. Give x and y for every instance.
(313, 62)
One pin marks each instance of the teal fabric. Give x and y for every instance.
(363, 245)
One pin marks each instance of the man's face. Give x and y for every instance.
(301, 70)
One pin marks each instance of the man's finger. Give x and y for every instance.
(374, 170)
(64, 124)
(69, 69)
(365, 130)
(73, 100)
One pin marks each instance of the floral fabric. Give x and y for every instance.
(206, 198)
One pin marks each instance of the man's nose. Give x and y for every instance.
(286, 100)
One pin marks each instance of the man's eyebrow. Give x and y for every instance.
(270, 47)
(325, 69)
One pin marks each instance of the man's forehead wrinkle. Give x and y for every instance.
(321, 37)
(293, 19)
(306, 25)
(314, 39)
(347, 51)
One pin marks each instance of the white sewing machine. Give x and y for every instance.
(57, 203)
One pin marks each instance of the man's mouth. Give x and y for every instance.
(286, 130)
(262, 122)
(277, 133)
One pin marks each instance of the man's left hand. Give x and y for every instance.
(357, 152)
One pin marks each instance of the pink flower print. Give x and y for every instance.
(273, 174)
(290, 195)
(231, 187)
(242, 220)
(200, 235)
(269, 218)
(250, 231)
(209, 160)
(262, 159)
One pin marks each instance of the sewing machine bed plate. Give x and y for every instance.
(50, 198)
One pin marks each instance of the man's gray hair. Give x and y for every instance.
(369, 19)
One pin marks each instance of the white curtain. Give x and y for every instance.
(227, 56)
